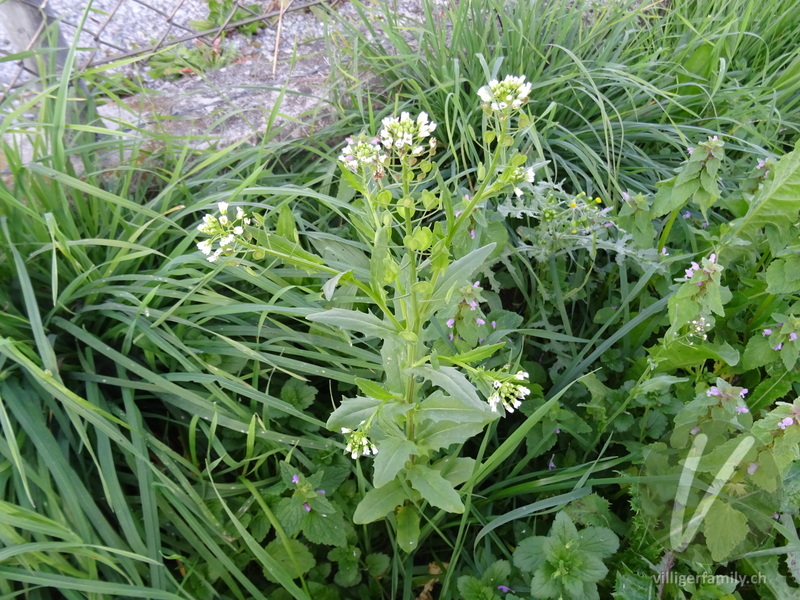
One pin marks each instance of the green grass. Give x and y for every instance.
(140, 386)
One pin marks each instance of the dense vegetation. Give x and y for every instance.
(551, 354)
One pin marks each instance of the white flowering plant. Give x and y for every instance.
(424, 240)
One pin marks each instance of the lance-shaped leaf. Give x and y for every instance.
(353, 320)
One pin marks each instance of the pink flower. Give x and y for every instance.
(472, 234)
(713, 391)
(494, 324)
(307, 507)
(743, 393)
(686, 215)
(450, 323)
(767, 332)
(295, 479)
(480, 321)
(752, 468)
(793, 337)
(741, 409)
(551, 465)
(695, 431)
(451, 337)
(786, 422)
(558, 431)
(778, 347)
(690, 151)
(476, 284)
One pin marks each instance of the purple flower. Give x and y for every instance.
(686, 215)
(472, 234)
(450, 323)
(451, 337)
(494, 324)
(743, 393)
(295, 479)
(480, 340)
(761, 163)
(741, 409)
(793, 337)
(704, 224)
(713, 391)
(480, 321)
(307, 507)
(778, 347)
(626, 196)
(473, 305)
(551, 465)
(558, 431)
(504, 588)
(767, 332)
(695, 431)
(664, 252)
(321, 492)
(458, 212)
(476, 284)
(786, 422)
(752, 468)
(690, 151)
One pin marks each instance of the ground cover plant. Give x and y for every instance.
(522, 324)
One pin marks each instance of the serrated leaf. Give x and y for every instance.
(529, 555)
(393, 453)
(379, 502)
(758, 353)
(599, 541)
(298, 393)
(325, 528)
(348, 574)
(290, 513)
(377, 564)
(353, 320)
(724, 528)
(471, 588)
(497, 573)
(297, 560)
(435, 489)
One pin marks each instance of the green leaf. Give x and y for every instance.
(393, 453)
(453, 381)
(498, 573)
(472, 356)
(330, 286)
(303, 560)
(529, 555)
(724, 528)
(672, 197)
(435, 489)
(374, 390)
(352, 320)
(758, 353)
(456, 275)
(325, 528)
(446, 408)
(407, 528)
(441, 434)
(379, 502)
(774, 207)
(598, 540)
(455, 470)
(471, 588)
(377, 564)
(349, 573)
(290, 513)
(298, 393)
(352, 412)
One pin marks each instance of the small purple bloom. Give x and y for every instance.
(713, 391)
(321, 492)
(451, 337)
(761, 163)
(458, 212)
(778, 347)
(480, 340)
(626, 196)
(695, 431)
(450, 323)
(743, 393)
(473, 305)
(295, 479)
(767, 332)
(741, 409)
(504, 588)
(752, 468)
(686, 215)
(480, 321)
(664, 252)
(551, 465)
(776, 516)
(476, 284)
(704, 224)
(690, 151)
(472, 234)
(307, 507)
(494, 324)
(558, 431)
(786, 423)
(793, 337)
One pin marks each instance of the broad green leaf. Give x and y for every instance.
(441, 434)
(529, 554)
(352, 320)
(456, 275)
(330, 286)
(453, 381)
(478, 354)
(599, 540)
(303, 560)
(352, 412)
(407, 528)
(298, 393)
(724, 528)
(435, 489)
(377, 563)
(393, 453)
(346, 558)
(326, 528)
(446, 408)
(774, 206)
(456, 470)
(471, 588)
(379, 502)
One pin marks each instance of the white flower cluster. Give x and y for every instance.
(407, 135)
(504, 97)
(358, 443)
(222, 230)
(508, 393)
(698, 329)
(361, 152)
(521, 175)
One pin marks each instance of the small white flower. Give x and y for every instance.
(238, 230)
(204, 247)
(517, 192)
(223, 220)
(223, 207)
(215, 256)
(227, 240)
(239, 213)
(521, 375)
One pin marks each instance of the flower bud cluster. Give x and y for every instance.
(706, 269)
(361, 152)
(698, 329)
(508, 393)
(505, 97)
(224, 230)
(521, 175)
(406, 135)
(358, 443)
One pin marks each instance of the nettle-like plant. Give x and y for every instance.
(418, 297)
